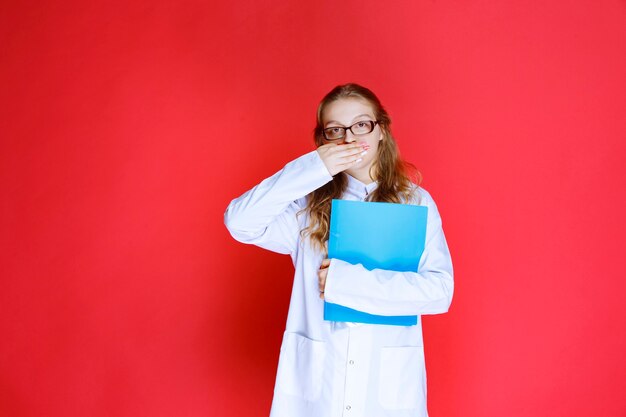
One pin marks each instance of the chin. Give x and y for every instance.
(360, 167)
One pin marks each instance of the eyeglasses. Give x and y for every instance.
(359, 128)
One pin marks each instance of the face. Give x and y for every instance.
(346, 112)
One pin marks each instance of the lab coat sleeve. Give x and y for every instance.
(392, 293)
(266, 215)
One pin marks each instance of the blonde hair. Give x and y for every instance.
(395, 176)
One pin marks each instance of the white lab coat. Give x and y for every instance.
(332, 369)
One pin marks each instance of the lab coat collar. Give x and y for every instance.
(359, 188)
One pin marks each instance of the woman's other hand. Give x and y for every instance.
(321, 276)
(338, 158)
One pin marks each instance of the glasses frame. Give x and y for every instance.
(372, 123)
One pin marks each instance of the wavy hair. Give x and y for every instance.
(395, 177)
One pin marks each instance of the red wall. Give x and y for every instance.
(126, 130)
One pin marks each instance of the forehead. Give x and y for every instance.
(345, 110)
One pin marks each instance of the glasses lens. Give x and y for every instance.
(362, 128)
(333, 133)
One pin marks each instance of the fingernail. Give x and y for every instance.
(363, 153)
(359, 160)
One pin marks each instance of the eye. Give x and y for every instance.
(334, 132)
(362, 124)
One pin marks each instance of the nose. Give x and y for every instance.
(349, 138)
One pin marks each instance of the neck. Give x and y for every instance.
(361, 174)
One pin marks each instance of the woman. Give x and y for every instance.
(346, 369)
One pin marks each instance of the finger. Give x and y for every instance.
(321, 280)
(348, 159)
(321, 283)
(354, 147)
(351, 154)
(321, 274)
(338, 149)
(325, 263)
(327, 146)
(345, 165)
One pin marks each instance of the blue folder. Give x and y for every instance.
(377, 235)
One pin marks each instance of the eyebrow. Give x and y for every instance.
(353, 119)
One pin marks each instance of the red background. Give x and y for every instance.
(126, 130)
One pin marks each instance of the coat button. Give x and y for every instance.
(351, 362)
(348, 407)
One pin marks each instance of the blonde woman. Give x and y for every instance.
(346, 369)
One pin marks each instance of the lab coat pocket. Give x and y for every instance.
(300, 366)
(402, 382)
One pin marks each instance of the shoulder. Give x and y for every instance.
(420, 196)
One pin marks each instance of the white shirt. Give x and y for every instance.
(333, 369)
